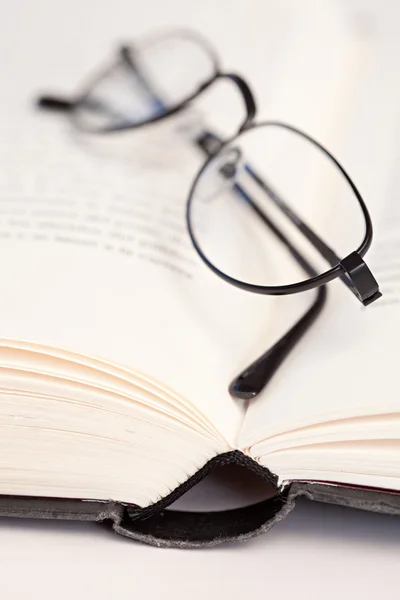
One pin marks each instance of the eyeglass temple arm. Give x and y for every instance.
(330, 255)
(56, 103)
(128, 56)
(63, 104)
(257, 375)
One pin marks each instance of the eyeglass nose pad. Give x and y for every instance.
(223, 175)
(230, 167)
(229, 170)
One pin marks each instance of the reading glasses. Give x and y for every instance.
(243, 189)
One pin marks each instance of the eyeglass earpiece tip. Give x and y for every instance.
(54, 103)
(242, 391)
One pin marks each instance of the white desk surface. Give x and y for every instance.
(318, 551)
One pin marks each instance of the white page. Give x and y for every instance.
(348, 364)
(229, 333)
(322, 534)
(69, 278)
(346, 367)
(372, 463)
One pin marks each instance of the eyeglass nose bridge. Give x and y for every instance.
(246, 94)
(360, 278)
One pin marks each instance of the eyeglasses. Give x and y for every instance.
(238, 214)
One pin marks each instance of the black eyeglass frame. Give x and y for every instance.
(352, 270)
(125, 56)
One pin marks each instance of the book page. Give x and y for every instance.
(96, 256)
(97, 261)
(347, 366)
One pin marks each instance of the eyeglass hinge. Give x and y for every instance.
(209, 142)
(361, 279)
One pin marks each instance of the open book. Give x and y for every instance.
(118, 345)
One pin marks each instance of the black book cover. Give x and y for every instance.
(163, 527)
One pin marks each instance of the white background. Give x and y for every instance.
(318, 551)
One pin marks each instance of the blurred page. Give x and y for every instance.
(84, 281)
(97, 260)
